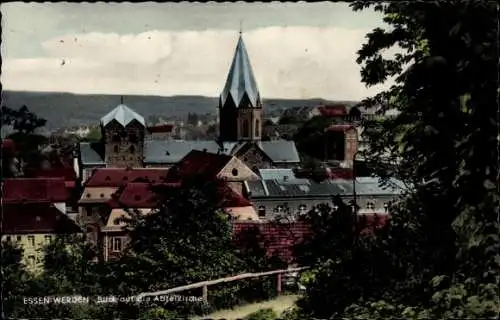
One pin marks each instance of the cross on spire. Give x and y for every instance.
(241, 27)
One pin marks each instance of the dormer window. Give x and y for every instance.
(262, 211)
(302, 209)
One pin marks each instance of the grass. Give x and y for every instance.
(278, 304)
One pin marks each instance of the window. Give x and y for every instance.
(31, 260)
(117, 244)
(88, 212)
(7, 238)
(116, 138)
(116, 221)
(245, 129)
(257, 127)
(31, 241)
(132, 149)
(132, 138)
(48, 239)
(116, 149)
(279, 209)
(18, 238)
(234, 172)
(370, 205)
(262, 211)
(302, 209)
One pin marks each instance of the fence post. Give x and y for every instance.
(278, 284)
(205, 294)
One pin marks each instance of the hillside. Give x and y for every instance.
(67, 109)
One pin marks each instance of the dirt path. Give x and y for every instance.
(279, 305)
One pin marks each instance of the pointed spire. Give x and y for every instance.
(121, 99)
(240, 80)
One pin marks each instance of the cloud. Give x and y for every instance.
(288, 62)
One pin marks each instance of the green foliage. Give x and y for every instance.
(263, 314)
(438, 257)
(94, 134)
(26, 141)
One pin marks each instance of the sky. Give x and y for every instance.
(297, 50)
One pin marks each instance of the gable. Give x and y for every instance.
(253, 156)
(236, 170)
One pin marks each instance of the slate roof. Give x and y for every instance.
(276, 174)
(240, 80)
(309, 188)
(34, 190)
(371, 186)
(90, 154)
(35, 218)
(123, 115)
(280, 151)
(172, 151)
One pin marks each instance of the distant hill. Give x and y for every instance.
(67, 109)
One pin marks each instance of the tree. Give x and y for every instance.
(94, 134)
(15, 280)
(196, 247)
(311, 138)
(438, 257)
(25, 124)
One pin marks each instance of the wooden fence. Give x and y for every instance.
(205, 284)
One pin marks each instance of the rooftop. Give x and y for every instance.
(240, 80)
(123, 115)
(116, 177)
(34, 190)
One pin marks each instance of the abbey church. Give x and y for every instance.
(124, 140)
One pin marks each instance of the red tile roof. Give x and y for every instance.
(333, 110)
(34, 190)
(340, 128)
(116, 177)
(163, 128)
(137, 195)
(141, 195)
(201, 162)
(35, 218)
(230, 198)
(278, 239)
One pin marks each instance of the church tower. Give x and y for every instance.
(240, 107)
(123, 132)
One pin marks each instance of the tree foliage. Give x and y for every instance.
(438, 257)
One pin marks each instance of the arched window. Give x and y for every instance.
(132, 149)
(257, 128)
(116, 149)
(245, 129)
